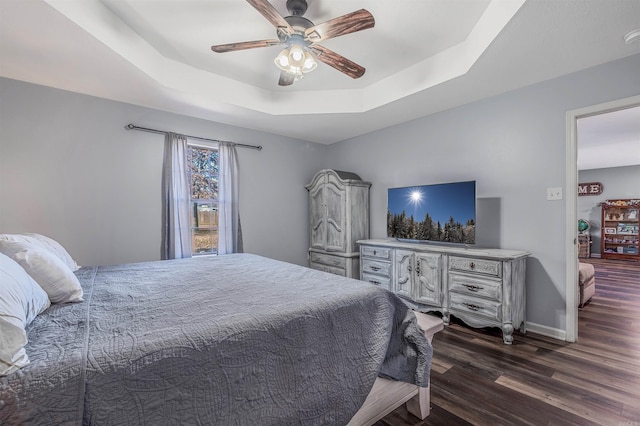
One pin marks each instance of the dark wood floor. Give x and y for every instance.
(477, 380)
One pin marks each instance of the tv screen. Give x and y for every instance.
(441, 213)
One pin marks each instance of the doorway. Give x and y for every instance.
(571, 185)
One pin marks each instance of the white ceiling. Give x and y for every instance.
(422, 56)
(609, 140)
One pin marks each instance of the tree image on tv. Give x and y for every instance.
(401, 226)
(441, 213)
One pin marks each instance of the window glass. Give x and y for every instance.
(203, 169)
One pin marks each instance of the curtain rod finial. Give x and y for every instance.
(129, 126)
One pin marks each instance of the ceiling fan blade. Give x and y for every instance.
(286, 79)
(268, 11)
(230, 47)
(337, 61)
(345, 24)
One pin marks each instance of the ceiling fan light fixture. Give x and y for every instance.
(296, 55)
(296, 61)
(282, 60)
(309, 64)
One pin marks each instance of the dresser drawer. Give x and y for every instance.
(475, 306)
(376, 267)
(480, 266)
(375, 252)
(475, 286)
(327, 268)
(384, 282)
(327, 259)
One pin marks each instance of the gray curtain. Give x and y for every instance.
(229, 230)
(176, 226)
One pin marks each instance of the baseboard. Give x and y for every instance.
(554, 333)
(595, 255)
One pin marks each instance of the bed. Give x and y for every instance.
(229, 340)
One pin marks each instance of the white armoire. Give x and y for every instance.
(338, 217)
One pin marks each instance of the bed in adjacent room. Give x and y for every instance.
(226, 340)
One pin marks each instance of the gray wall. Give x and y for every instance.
(617, 182)
(513, 145)
(69, 169)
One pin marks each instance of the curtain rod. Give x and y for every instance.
(145, 129)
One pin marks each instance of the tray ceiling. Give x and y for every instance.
(422, 56)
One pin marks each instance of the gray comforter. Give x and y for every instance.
(228, 340)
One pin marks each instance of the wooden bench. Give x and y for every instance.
(387, 395)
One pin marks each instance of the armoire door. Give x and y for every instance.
(336, 214)
(317, 217)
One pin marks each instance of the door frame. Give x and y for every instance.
(571, 204)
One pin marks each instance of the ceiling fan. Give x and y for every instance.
(300, 36)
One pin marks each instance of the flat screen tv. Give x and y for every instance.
(442, 213)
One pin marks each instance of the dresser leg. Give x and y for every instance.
(507, 333)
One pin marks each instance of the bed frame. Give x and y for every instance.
(387, 395)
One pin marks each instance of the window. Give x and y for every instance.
(203, 168)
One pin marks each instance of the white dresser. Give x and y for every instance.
(482, 287)
(338, 217)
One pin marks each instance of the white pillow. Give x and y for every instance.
(57, 249)
(55, 278)
(21, 300)
(46, 242)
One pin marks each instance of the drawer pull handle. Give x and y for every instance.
(375, 252)
(472, 287)
(374, 268)
(375, 282)
(472, 307)
(472, 265)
